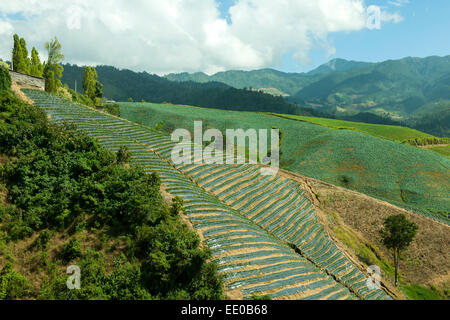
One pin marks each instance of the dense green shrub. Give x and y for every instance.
(113, 109)
(123, 155)
(173, 263)
(43, 239)
(124, 283)
(5, 79)
(13, 285)
(177, 206)
(71, 250)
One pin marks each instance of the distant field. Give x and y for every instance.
(396, 172)
(394, 133)
(444, 150)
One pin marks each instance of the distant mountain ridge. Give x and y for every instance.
(338, 65)
(289, 83)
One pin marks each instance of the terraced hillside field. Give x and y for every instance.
(409, 177)
(393, 133)
(263, 232)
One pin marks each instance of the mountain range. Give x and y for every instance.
(288, 83)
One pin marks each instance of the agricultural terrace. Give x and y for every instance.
(252, 224)
(407, 176)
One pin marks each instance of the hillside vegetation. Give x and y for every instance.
(66, 200)
(263, 232)
(402, 174)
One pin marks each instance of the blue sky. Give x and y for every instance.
(424, 31)
(204, 35)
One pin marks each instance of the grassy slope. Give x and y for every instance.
(444, 150)
(380, 168)
(393, 133)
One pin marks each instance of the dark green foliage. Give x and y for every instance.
(177, 206)
(435, 119)
(13, 285)
(124, 283)
(344, 180)
(51, 84)
(427, 141)
(113, 109)
(398, 232)
(123, 155)
(5, 79)
(280, 141)
(397, 235)
(43, 239)
(60, 180)
(174, 264)
(16, 53)
(71, 250)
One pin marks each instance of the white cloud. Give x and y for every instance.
(6, 28)
(391, 17)
(182, 35)
(398, 3)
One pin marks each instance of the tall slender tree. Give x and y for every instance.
(87, 81)
(92, 87)
(17, 53)
(36, 69)
(25, 61)
(52, 68)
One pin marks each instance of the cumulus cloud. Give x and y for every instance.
(182, 35)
